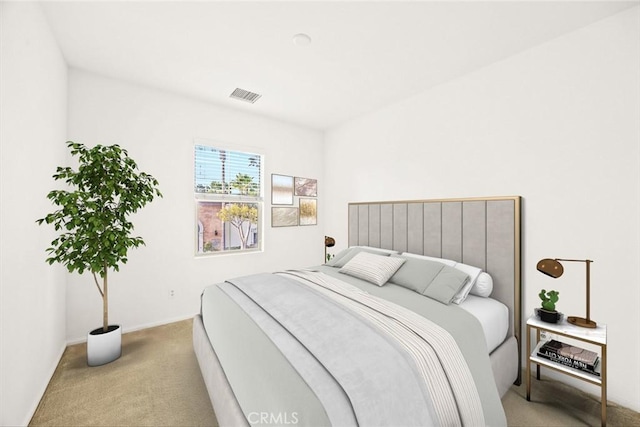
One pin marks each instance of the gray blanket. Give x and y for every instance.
(368, 361)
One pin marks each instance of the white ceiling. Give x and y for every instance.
(363, 55)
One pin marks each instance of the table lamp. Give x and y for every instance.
(329, 242)
(553, 268)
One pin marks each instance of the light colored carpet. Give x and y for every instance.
(556, 404)
(157, 382)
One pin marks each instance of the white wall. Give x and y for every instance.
(575, 98)
(33, 120)
(559, 125)
(158, 129)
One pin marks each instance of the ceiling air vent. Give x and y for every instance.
(245, 95)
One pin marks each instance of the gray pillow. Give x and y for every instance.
(345, 256)
(446, 285)
(332, 262)
(430, 278)
(416, 274)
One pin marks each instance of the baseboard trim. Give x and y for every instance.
(138, 327)
(43, 389)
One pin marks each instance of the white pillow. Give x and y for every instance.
(386, 251)
(376, 269)
(448, 262)
(473, 273)
(483, 286)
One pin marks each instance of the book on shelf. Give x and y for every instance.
(574, 365)
(550, 352)
(572, 352)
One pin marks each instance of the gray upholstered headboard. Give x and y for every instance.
(483, 232)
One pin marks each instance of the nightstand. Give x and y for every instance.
(596, 336)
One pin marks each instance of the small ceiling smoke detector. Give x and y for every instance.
(244, 95)
(301, 40)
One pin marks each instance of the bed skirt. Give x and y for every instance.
(224, 402)
(504, 363)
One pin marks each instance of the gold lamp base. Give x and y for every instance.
(582, 322)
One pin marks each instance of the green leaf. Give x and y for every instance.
(93, 213)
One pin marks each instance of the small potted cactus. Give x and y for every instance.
(548, 311)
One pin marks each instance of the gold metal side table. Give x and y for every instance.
(596, 336)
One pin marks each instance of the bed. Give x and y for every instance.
(256, 374)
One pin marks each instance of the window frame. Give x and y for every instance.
(227, 230)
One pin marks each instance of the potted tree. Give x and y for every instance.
(96, 233)
(548, 311)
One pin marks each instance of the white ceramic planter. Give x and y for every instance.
(104, 347)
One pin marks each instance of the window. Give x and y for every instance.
(228, 196)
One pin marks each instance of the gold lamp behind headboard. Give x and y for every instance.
(329, 242)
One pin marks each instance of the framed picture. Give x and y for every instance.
(284, 217)
(281, 189)
(308, 211)
(306, 187)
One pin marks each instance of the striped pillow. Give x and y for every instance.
(373, 268)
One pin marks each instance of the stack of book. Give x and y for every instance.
(571, 356)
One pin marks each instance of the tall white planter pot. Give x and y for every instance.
(104, 347)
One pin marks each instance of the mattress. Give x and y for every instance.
(493, 317)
